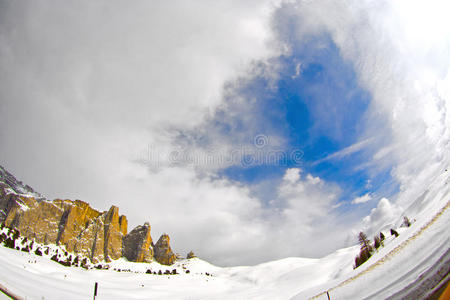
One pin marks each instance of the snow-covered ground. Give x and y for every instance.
(395, 266)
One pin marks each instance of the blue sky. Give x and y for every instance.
(315, 105)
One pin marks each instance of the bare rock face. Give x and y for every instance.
(137, 245)
(191, 255)
(163, 252)
(123, 224)
(77, 226)
(74, 222)
(113, 234)
(91, 241)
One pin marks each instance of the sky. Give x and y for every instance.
(246, 130)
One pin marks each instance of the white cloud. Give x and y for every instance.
(224, 223)
(381, 217)
(292, 175)
(362, 199)
(85, 89)
(405, 66)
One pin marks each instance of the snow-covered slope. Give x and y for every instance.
(394, 271)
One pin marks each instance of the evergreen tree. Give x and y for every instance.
(394, 232)
(381, 236)
(376, 242)
(366, 249)
(364, 242)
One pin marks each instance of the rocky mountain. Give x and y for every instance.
(99, 236)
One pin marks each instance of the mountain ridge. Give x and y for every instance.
(83, 230)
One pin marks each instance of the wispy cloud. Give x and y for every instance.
(356, 147)
(362, 199)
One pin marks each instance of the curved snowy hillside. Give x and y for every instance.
(404, 266)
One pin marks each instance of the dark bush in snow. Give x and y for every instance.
(394, 232)
(38, 252)
(9, 242)
(2, 237)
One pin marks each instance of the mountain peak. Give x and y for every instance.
(77, 226)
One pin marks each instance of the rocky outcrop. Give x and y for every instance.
(138, 244)
(113, 234)
(163, 252)
(191, 255)
(77, 226)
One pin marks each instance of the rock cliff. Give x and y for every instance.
(138, 244)
(77, 226)
(163, 252)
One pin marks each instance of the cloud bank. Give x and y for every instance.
(87, 88)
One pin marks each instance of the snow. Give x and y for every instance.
(392, 268)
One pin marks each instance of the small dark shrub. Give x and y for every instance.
(16, 234)
(159, 272)
(65, 263)
(84, 263)
(9, 242)
(187, 271)
(174, 272)
(148, 271)
(394, 232)
(38, 252)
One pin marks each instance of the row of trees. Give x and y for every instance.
(367, 249)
